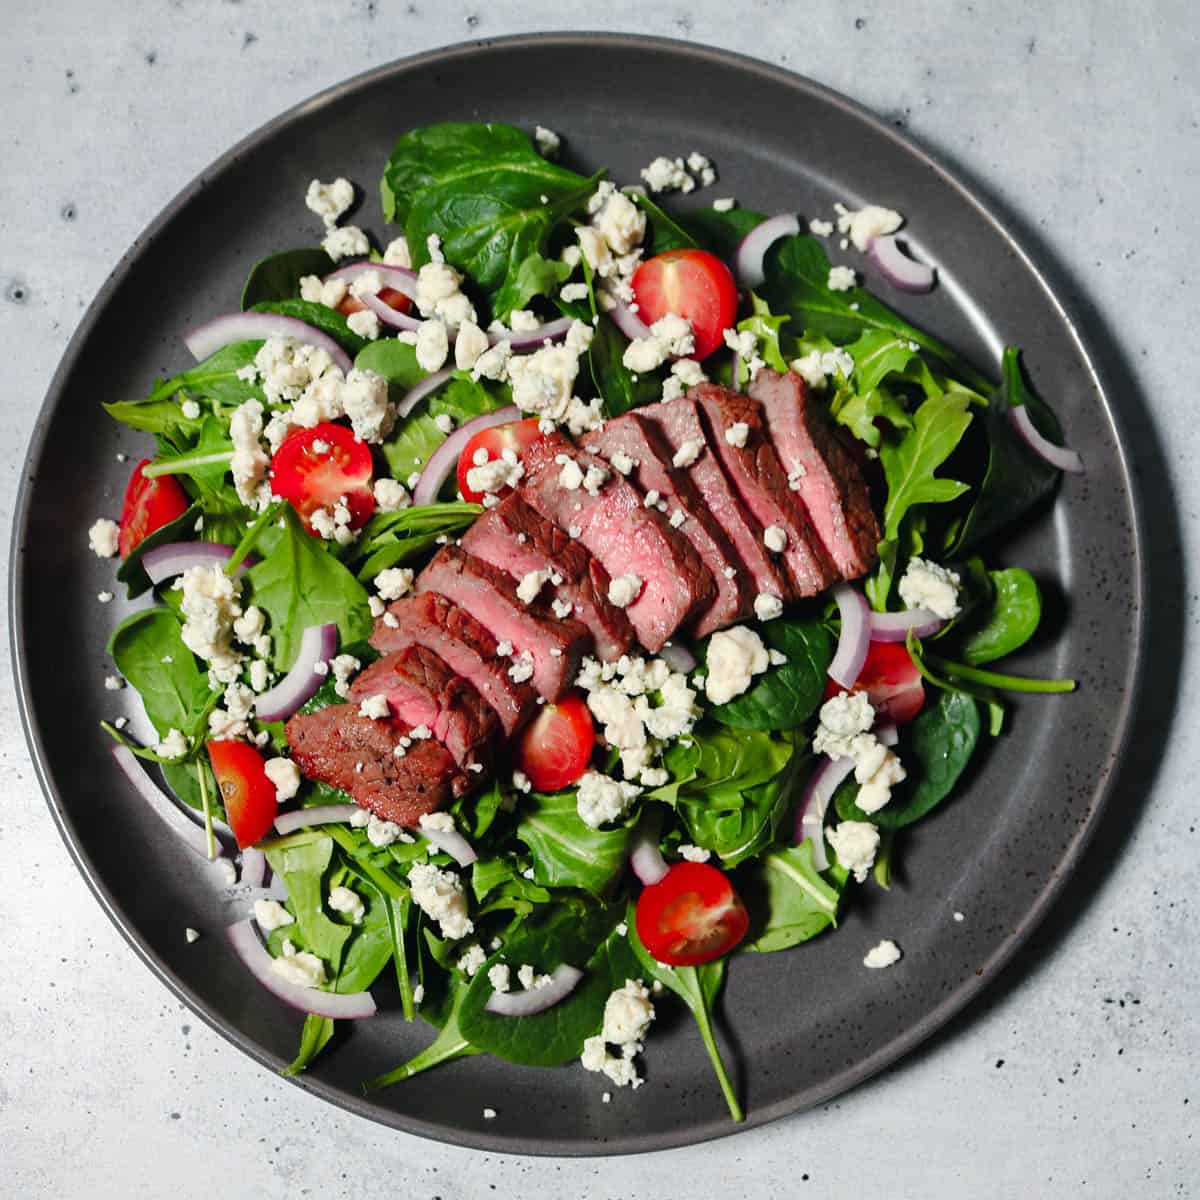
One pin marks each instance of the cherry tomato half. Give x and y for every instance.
(316, 468)
(556, 747)
(397, 300)
(691, 916)
(518, 437)
(149, 505)
(246, 791)
(891, 680)
(689, 283)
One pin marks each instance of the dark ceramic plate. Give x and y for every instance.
(801, 1026)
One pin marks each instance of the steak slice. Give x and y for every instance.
(625, 535)
(519, 540)
(555, 646)
(422, 690)
(679, 423)
(821, 471)
(340, 747)
(762, 484)
(643, 442)
(464, 645)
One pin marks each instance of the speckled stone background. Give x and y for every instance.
(1075, 1072)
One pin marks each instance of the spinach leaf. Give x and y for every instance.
(213, 379)
(182, 778)
(785, 696)
(499, 886)
(698, 988)
(565, 851)
(303, 869)
(536, 276)
(148, 650)
(1016, 478)
(615, 383)
(328, 320)
(277, 277)
(388, 539)
(663, 231)
(583, 936)
(314, 1037)
(797, 270)
(300, 584)
(1008, 623)
(795, 901)
(720, 232)
(395, 360)
(164, 418)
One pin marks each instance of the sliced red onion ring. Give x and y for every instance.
(317, 644)
(173, 558)
(628, 322)
(678, 657)
(417, 393)
(348, 1006)
(531, 339)
(748, 261)
(563, 980)
(645, 858)
(399, 279)
(1056, 456)
(810, 812)
(324, 814)
(189, 832)
(887, 732)
(208, 338)
(254, 867)
(895, 626)
(445, 458)
(390, 316)
(453, 843)
(855, 639)
(897, 268)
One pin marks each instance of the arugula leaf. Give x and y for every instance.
(328, 320)
(300, 584)
(797, 271)
(785, 696)
(565, 851)
(499, 886)
(149, 651)
(858, 412)
(720, 232)
(277, 277)
(698, 988)
(536, 276)
(796, 901)
(1016, 478)
(303, 869)
(1008, 622)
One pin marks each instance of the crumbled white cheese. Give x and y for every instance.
(866, 223)
(767, 607)
(210, 605)
(724, 204)
(531, 584)
(470, 343)
(344, 666)
(113, 683)
(500, 977)
(547, 141)
(620, 222)
(365, 323)
(735, 656)
(855, 844)
(104, 537)
(302, 969)
(394, 582)
(815, 366)
(270, 914)
(433, 344)
(841, 279)
(285, 775)
(927, 585)
(522, 669)
(375, 708)
(192, 935)
(496, 474)
(440, 896)
(670, 336)
(573, 292)
(348, 902)
(628, 1013)
(330, 201)
(737, 433)
(689, 450)
(346, 242)
(390, 495)
(382, 833)
(819, 228)
(884, 954)
(775, 538)
(397, 253)
(172, 745)
(601, 799)
(694, 854)
(623, 590)
(667, 175)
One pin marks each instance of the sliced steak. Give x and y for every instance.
(518, 540)
(464, 645)
(760, 480)
(679, 423)
(821, 471)
(338, 746)
(422, 690)
(555, 646)
(625, 535)
(643, 442)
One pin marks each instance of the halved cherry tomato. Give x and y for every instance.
(149, 505)
(518, 437)
(316, 468)
(689, 283)
(246, 791)
(891, 680)
(397, 300)
(691, 916)
(555, 749)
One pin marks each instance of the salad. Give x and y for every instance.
(565, 599)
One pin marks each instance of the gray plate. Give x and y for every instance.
(801, 1026)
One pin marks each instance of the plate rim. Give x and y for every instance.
(695, 1132)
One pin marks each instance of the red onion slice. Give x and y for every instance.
(191, 834)
(317, 644)
(902, 272)
(173, 558)
(678, 657)
(645, 858)
(531, 339)
(896, 626)
(419, 391)
(348, 1006)
(887, 732)
(323, 814)
(390, 316)
(563, 980)
(453, 843)
(748, 261)
(208, 338)
(399, 279)
(810, 812)
(628, 322)
(444, 459)
(855, 639)
(1056, 456)
(254, 867)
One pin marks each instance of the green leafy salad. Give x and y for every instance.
(534, 885)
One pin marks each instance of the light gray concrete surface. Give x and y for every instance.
(1075, 1073)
